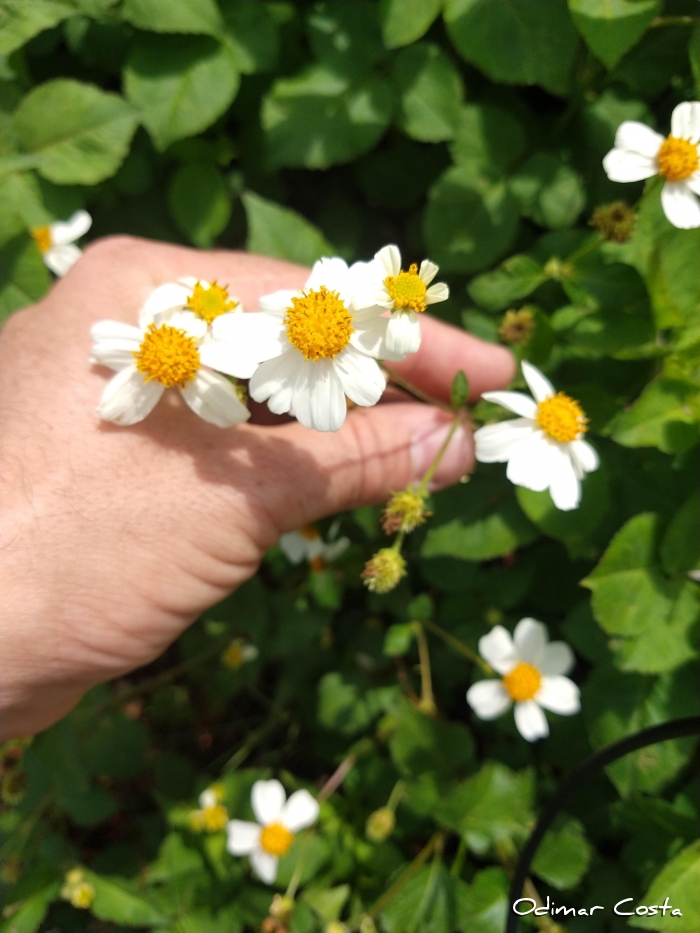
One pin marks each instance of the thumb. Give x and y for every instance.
(378, 451)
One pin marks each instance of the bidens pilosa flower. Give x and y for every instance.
(544, 447)
(212, 815)
(75, 889)
(167, 350)
(272, 836)
(307, 544)
(532, 673)
(405, 293)
(641, 153)
(314, 349)
(56, 241)
(239, 653)
(384, 570)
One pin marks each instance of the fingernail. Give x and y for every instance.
(455, 462)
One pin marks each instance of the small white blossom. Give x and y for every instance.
(56, 241)
(544, 448)
(272, 836)
(641, 153)
(532, 676)
(307, 544)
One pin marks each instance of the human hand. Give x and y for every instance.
(116, 539)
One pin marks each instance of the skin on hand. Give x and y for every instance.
(115, 539)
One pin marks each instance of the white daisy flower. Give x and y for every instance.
(640, 153)
(382, 282)
(206, 300)
(544, 448)
(56, 242)
(238, 653)
(314, 349)
(212, 815)
(272, 836)
(532, 676)
(167, 352)
(307, 544)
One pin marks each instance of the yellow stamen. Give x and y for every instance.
(678, 158)
(209, 303)
(167, 354)
(214, 818)
(319, 324)
(407, 289)
(562, 418)
(42, 238)
(523, 682)
(310, 533)
(276, 839)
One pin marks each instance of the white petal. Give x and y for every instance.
(494, 442)
(267, 799)
(680, 205)
(208, 798)
(274, 381)
(278, 302)
(622, 165)
(685, 121)
(638, 137)
(335, 275)
(694, 182)
(243, 837)
(498, 649)
(560, 695)
(585, 455)
(557, 658)
(517, 402)
(367, 284)
(227, 357)
(531, 721)
(318, 399)
(214, 399)
(427, 272)
(403, 334)
(128, 398)
(264, 866)
(488, 698)
(72, 229)
(537, 383)
(164, 300)
(256, 336)
(61, 258)
(362, 380)
(300, 811)
(191, 323)
(116, 330)
(370, 338)
(115, 352)
(530, 637)
(389, 259)
(564, 484)
(437, 292)
(294, 546)
(530, 463)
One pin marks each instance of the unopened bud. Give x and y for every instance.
(558, 270)
(614, 221)
(384, 570)
(380, 824)
(404, 511)
(367, 925)
(517, 326)
(281, 907)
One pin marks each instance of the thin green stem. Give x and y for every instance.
(430, 472)
(673, 21)
(298, 869)
(398, 541)
(406, 875)
(427, 700)
(395, 796)
(586, 250)
(458, 863)
(414, 390)
(458, 646)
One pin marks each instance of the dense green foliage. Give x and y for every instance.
(471, 131)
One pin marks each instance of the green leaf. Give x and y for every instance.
(341, 705)
(179, 84)
(278, 231)
(489, 140)
(116, 746)
(200, 202)
(433, 902)
(405, 21)
(535, 41)
(679, 881)
(118, 902)
(665, 416)
(20, 21)
(430, 93)
(201, 17)
(459, 393)
(345, 37)
(251, 32)
(24, 278)
(328, 903)
(493, 805)
(680, 547)
(398, 639)
(89, 806)
(612, 27)
(485, 908)
(175, 859)
(28, 916)
(81, 133)
(563, 856)
(468, 225)
(420, 745)
(319, 118)
(548, 191)
(516, 278)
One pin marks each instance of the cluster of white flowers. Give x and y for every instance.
(305, 352)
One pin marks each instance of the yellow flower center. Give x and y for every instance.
(562, 418)
(233, 656)
(523, 682)
(678, 158)
(209, 303)
(319, 324)
(167, 354)
(83, 896)
(214, 818)
(407, 289)
(309, 533)
(276, 839)
(42, 238)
